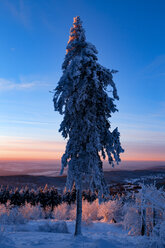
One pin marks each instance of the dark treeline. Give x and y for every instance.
(46, 197)
(51, 197)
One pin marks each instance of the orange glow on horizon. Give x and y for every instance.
(15, 148)
(50, 155)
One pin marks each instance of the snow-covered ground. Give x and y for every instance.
(128, 221)
(145, 178)
(44, 234)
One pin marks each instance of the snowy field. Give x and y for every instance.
(132, 220)
(127, 220)
(44, 233)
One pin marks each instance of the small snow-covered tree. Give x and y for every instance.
(82, 98)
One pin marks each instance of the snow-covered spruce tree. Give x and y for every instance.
(82, 98)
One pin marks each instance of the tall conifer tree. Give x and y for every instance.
(81, 96)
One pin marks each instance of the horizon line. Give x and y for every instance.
(59, 160)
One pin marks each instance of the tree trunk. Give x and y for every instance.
(154, 217)
(143, 228)
(79, 211)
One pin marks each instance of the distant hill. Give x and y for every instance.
(112, 177)
(52, 168)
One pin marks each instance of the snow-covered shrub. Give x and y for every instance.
(132, 221)
(68, 212)
(55, 227)
(15, 217)
(146, 213)
(3, 214)
(64, 212)
(10, 215)
(20, 215)
(4, 218)
(31, 212)
(3, 209)
(157, 238)
(90, 211)
(47, 213)
(110, 211)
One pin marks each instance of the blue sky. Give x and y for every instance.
(129, 36)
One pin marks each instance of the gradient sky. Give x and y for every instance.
(129, 36)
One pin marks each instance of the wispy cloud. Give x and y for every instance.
(11, 85)
(157, 62)
(156, 68)
(28, 122)
(6, 85)
(20, 11)
(144, 123)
